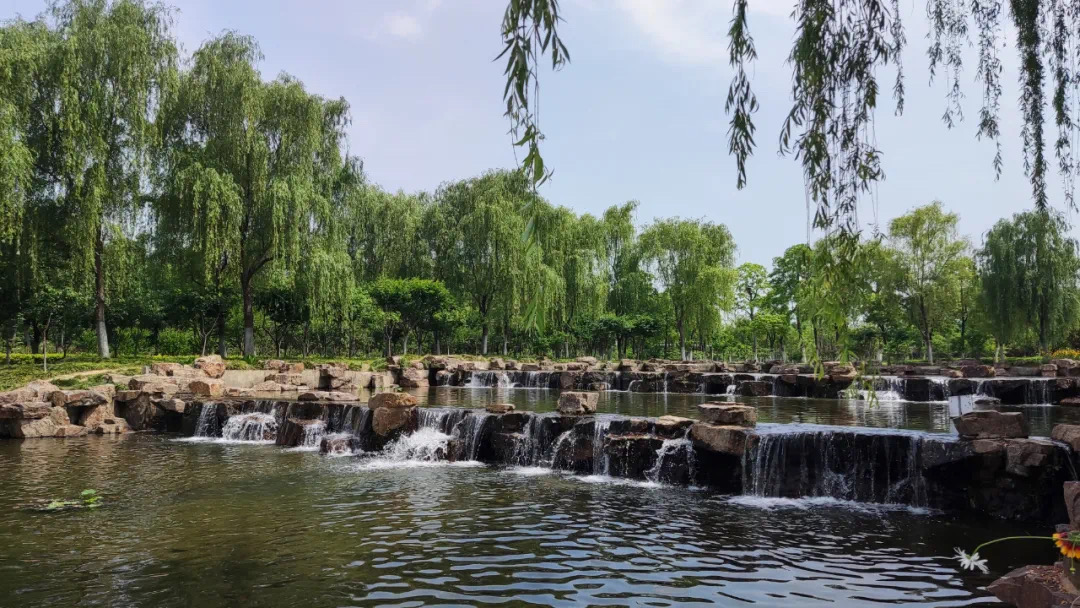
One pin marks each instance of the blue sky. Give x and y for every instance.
(637, 115)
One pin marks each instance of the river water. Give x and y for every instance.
(214, 523)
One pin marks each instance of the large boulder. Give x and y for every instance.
(32, 410)
(413, 378)
(755, 388)
(1072, 503)
(729, 440)
(38, 390)
(391, 420)
(978, 371)
(670, 427)
(391, 400)
(1067, 433)
(70, 430)
(590, 361)
(576, 403)
(93, 417)
(1033, 587)
(991, 424)
(211, 365)
(728, 414)
(295, 430)
(499, 408)
(164, 368)
(207, 388)
(29, 428)
(267, 386)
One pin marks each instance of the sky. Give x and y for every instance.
(637, 115)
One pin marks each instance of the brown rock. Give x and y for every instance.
(340, 396)
(391, 400)
(163, 368)
(496, 363)
(1025, 455)
(236, 391)
(978, 371)
(499, 408)
(111, 426)
(31, 428)
(173, 405)
(590, 361)
(268, 386)
(85, 398)
(92, 417)
(575, 403)
(387, 420)
(1033, 587)
(35, 410)
(1072, 503)
(211, 365)
(128, 395)
(276, 365)
(728, 414)
(70, 430)
(207, 388)
(1067, 433)
(313, 396)
(670, 427)
(1049, 370)
(991, 424)
(414, 378)
(722, 439)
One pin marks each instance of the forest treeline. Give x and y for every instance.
(153, 203)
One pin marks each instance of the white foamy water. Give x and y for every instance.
(530, 471)
(424, 448)
(809, 502)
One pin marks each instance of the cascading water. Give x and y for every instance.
(490, 379)
(843, 464)
(470, 430)
(256, 426)
(667, 457)
(600, 460)
(207, 417)
(312, 437)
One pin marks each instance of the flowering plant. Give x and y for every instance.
(1067, 542)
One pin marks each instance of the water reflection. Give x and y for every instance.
(203, 524)
(934, 417)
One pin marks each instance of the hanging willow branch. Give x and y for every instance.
(838, 48)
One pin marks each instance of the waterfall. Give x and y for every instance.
(256, 427)
(424, 447)
(1037, 391)
(729, 390)
(601, 462)
(488, 380)
(854, 465)
(470, 430)
(529, 449)
(313, 434)
(666, 454)
(440, 419)
(207, 416)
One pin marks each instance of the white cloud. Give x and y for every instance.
(692, 31)
(401, 25)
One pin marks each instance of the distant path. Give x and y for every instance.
(87, 373)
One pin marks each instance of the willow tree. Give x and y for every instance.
(790, 273)
(838, 49)
(927, 253)
(481, 228)
(1029, 271)
(100, 87)
(693, 262)
(249, 173)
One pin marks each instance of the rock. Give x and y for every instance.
(1026, 455)
(511, 365)
(1070, 401)
(60, 416)
(987, 401)
(530, 367)
(339, 444)
(728, 414)
(629, 426)
(496, 363)
(111, 426)
(991, 424)
(395, 360)
(598, 387)
(631, 455)
(575, 403)
(211, 365)
(754, 388)
(392, 419)
(978, 371)
(294, 430)
(267, 386)
(729, 440)
(128, 395)
(29, 429)
(314, 396)
(1033, 587)
(153, 384)
(1049, 370)
(627, 365)
(670, 427)
(276, 365)
(207, 388)
(236, 391)
(70, 430)
(106, 390)
(590, 361)
(164, 368)
(391, 400)
(84, 398)
(413, 378)
(1067, 433)
(1026, 371)
(1072, 503)
(286, 380)
(93, 417)
(173, 405)
(32, 410)
(340, 396)
(499, 408)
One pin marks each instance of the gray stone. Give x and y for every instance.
(575, 403)
(728, 414)
(991, 424)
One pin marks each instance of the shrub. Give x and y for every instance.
(175, 342)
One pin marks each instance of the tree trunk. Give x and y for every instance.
(929, 349)
(45, 345)
(755, 346)
(682, 342)
(249, 316)
(99, 296)
(484, 341)
(405, 344)
(438, 345)
(222, 344)
(389, 346)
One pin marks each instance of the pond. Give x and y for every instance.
(216, 523)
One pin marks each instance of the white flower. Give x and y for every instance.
(971, 562)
